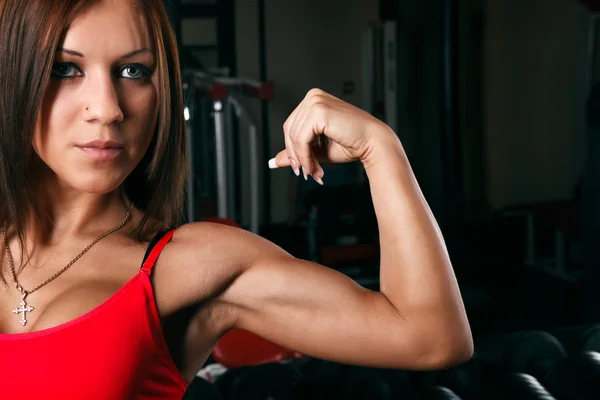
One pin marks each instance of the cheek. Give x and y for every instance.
(55, 115)
(141, 108)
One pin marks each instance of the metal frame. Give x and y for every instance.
(226, 94)
(224, 12)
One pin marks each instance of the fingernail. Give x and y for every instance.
(304, 173)
(294, 166)
(318, 180)
(272, 164)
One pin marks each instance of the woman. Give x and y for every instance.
(93, 165)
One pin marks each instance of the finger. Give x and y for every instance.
(293, 131)
(304, 150)
(318, 154)
(292, 128)
(317, 171)
(288, 128)
(282, 159)
(292, 157)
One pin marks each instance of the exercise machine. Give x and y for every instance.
(216, 113)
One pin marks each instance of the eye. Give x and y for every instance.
(135, 71)
(65, 70)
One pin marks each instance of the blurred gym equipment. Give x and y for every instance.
(214, 109)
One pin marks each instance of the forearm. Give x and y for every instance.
(416, 272)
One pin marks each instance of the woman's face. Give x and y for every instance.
(100, 108)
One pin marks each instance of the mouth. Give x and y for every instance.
(101, 144)
(101, 150)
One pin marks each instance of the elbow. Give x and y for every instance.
(452, 345)
(450, 352)
(447, 348)
(455, 356)
(435, 356)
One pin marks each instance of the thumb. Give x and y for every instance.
(282, 159)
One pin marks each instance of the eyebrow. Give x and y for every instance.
(123, 57)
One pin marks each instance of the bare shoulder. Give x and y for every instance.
(202, 260)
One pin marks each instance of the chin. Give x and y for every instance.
(98, 188)
(97, 183)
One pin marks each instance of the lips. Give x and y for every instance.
(99, 150)
(100, 144)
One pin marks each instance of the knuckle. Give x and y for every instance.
(314, 92)
(319, 109)
(293, 137)
(320, 105)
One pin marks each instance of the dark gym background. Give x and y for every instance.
(498, 108)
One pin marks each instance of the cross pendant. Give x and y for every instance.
(23, 309)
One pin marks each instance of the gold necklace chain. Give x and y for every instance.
(23, 308)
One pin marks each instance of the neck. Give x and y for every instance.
(60, 212)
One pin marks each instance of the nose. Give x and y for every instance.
(102, 103)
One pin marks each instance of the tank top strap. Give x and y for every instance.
(155, 248)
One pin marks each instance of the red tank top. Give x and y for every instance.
(116, 351)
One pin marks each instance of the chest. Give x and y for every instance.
(84, 286)
(111, 352)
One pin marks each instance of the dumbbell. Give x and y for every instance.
(272, 381)
(538, 354)
(578, 338)
(200, 389)
(321, 378)
(561, 378)
(468, 381)
(228, 381)
(364, 383)
(587, 364)
(437, 392)
(511, 351)
(519, 386)
(541, 355)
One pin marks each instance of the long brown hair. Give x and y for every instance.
(30, 31)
